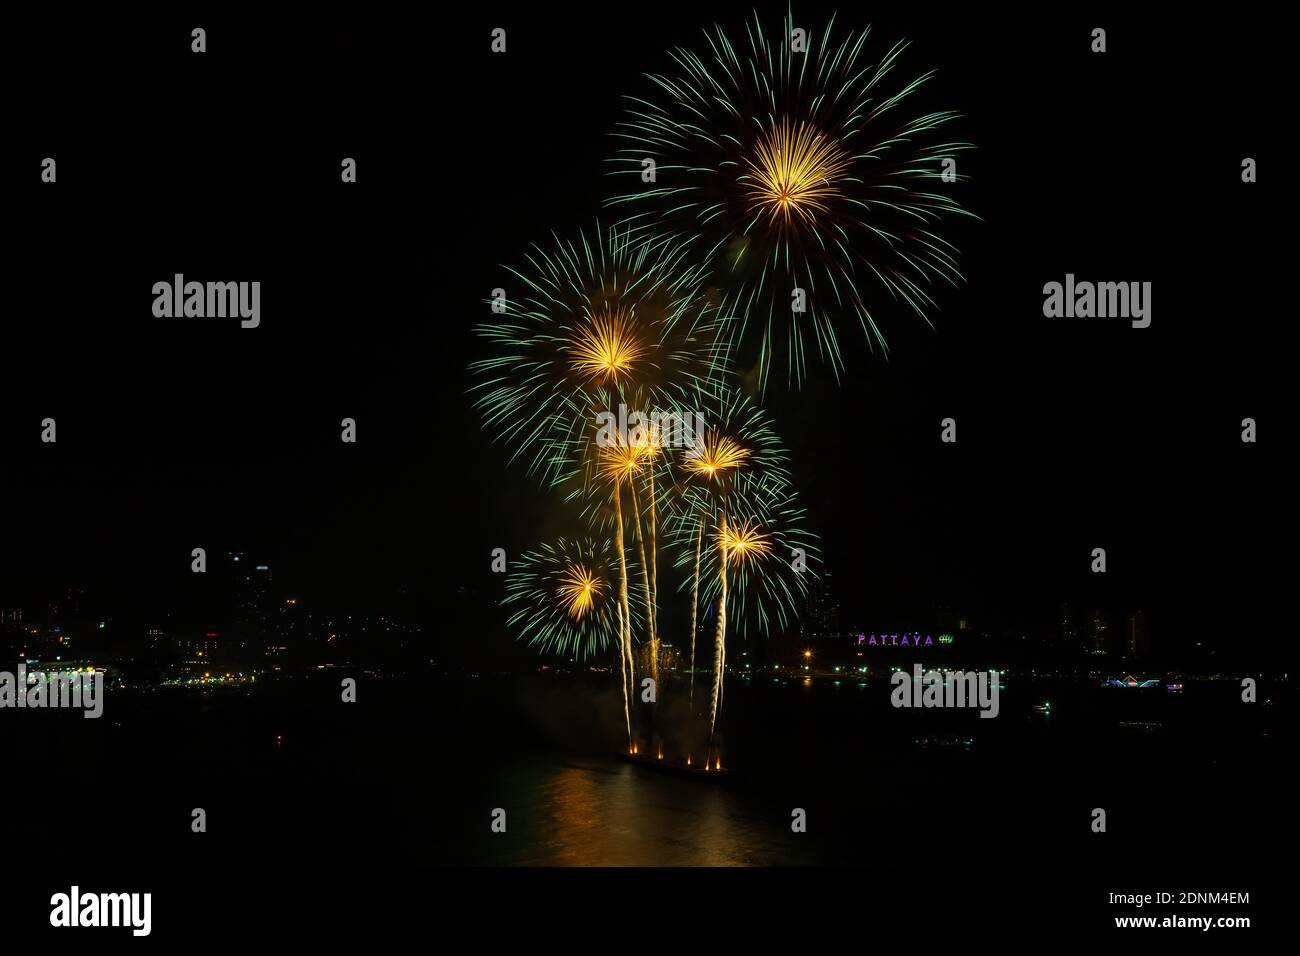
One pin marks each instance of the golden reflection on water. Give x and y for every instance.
(623, 815)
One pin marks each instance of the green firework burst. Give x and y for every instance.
(562, 598)
(590, 325)
(794, 170)
(767, 589)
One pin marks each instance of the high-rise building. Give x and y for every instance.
(821, 618)
(1137, 634)
(1097, 635)
(1069, 623)
(253, 611)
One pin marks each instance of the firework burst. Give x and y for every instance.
(733, 438)
(562, 598)
(795, 170)
(766, 530)
(758, 570)
(595, 323)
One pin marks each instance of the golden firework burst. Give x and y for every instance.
(578, 590)
(741, 542)
(604, 348)
(792, 174)
(620, 460)
(714, 455)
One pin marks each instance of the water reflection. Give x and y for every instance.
(593, 813)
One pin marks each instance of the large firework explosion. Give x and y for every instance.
(789, 169)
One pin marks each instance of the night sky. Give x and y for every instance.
(1072, 434)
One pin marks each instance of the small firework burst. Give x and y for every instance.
(771, 557)
(733, 437)
(562, 598)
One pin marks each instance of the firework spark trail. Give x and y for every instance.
(644, 442)
(650, 440)
(738, 542)
(625, 642)
(695, 603)
(618, 463)
(622, 673)
(645, 574)
(654, 581)
(719, 639)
